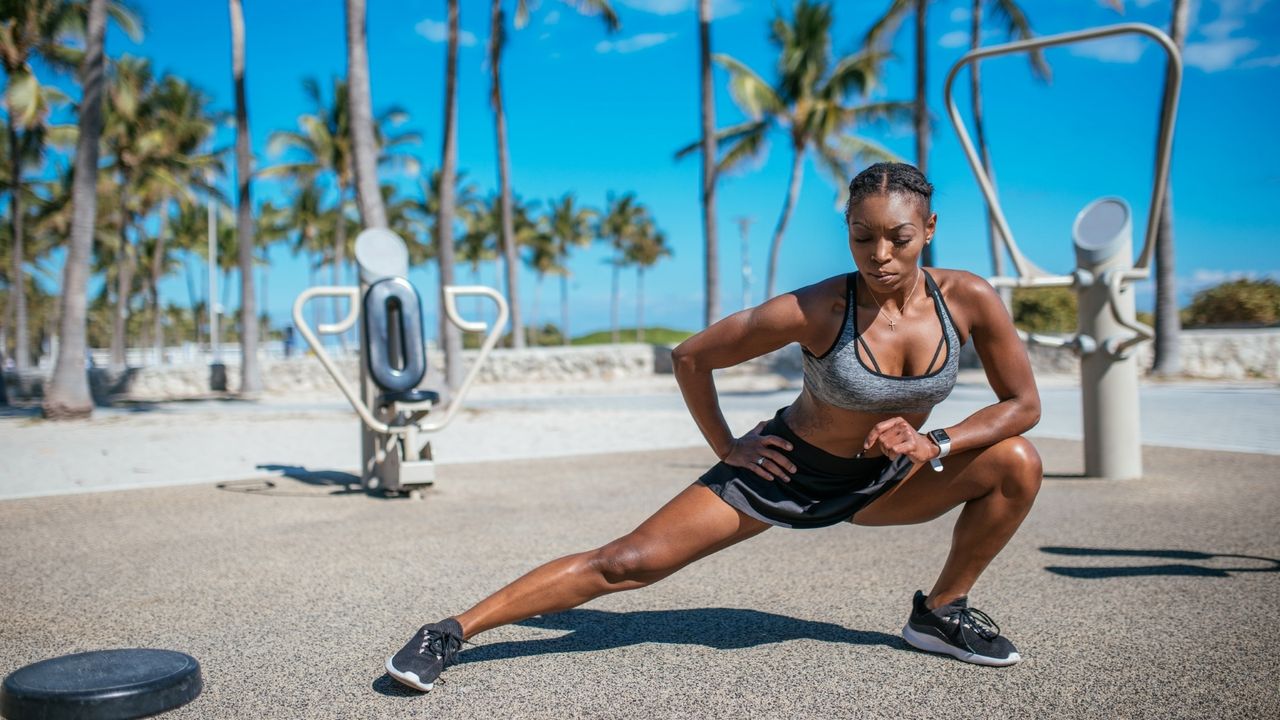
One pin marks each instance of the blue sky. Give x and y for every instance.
(592, 113)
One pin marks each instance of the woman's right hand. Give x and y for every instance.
(760, 454)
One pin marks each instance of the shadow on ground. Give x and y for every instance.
(718, 628)
(1183, 569)
(336, 481)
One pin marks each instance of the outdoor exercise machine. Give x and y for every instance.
(1108, 330)
(396, 418)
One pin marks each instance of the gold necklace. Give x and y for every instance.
(893, 324)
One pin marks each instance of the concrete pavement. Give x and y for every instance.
(1142, 599)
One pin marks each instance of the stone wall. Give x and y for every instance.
(1217, 354)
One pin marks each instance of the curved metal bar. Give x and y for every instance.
(451, 295)
(1027, 269)
(300, 321)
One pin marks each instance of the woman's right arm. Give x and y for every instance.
(735, 339)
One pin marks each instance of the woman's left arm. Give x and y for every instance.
(1004, 358)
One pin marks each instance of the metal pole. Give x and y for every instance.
(744, 227)
(1103, 237)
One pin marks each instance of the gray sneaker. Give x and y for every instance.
(432, 649)
(960, 631)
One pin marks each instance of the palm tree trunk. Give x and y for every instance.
(360, 100)
(339, 259)
(508, 236)
(1167, 360)
(613, 306)
(18, 276)
(994, 237)
(640, 302)
(450, 334)
(250, 375)
(775, 247)
(709, 152)
(192, 299)
(68, 393)
(922, 105)
(537, 308)
(124, 282)
(157, 268)
(564, 309)
(124, 289)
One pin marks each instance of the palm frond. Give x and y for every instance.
(880, 36)
(1016, 25)
(750, 92)
(729, 134)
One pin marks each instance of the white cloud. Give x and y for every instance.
(719, 8)
(633, 43)
(1271, 61)
(954, 39)
(1118, 49)
(1222, 28)
(551, 18)
(960, 14)
(1206, 278)
(1218, 54)
(438, 32)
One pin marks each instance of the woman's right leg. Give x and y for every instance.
(693, 525)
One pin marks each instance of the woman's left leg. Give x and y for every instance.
(996, 485)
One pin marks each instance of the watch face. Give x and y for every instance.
(940, 436)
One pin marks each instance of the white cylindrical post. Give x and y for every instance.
(1103, 237)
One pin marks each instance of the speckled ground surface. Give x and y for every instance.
(1128, 599)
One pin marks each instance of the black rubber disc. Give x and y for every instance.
(101, 685)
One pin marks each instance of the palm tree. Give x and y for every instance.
(250, 375)
(569, 226)
(622, 220)
(542, 259)
(809, 103)
(364, 144)
(878, 38)
(1167, 360)
(1016, 25)
(497, 40)
(711, 310)
(323, 143)
(644, 251)
(28, 28)
(450, 335)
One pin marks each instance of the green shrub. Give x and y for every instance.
(1239, 302)
(1045, 310)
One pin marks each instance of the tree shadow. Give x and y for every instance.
(717, 628)
(1182, 569)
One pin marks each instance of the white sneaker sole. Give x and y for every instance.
(929, 643)
(408, 678)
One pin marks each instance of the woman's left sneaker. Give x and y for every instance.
(960, 631)
(432, 649)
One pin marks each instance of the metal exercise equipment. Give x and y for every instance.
(394, 427)
(1103, 279)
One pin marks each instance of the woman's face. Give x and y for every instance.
(887, 232)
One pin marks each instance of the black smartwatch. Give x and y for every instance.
(943, 441)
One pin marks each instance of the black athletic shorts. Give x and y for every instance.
(825, 489)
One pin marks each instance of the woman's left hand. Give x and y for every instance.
(896, 437)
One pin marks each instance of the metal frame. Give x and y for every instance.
(1029, 274)
(451, 295)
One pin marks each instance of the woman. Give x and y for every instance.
(881, 348)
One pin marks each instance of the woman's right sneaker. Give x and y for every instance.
(960, 631)
(432, 649)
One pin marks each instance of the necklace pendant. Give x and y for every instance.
(893, 325)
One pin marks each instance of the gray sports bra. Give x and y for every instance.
(839, 377)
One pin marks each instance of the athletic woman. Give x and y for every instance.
(881, 349)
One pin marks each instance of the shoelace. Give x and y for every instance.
(445, 646)
(981, 622)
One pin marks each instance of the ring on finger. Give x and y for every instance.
(760, 460)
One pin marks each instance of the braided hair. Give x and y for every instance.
(889, 177)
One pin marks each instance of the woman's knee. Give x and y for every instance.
(627, 561)
(1019, 467)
